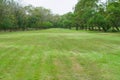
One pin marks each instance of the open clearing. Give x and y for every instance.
(58, 54)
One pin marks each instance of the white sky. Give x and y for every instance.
(56, 6)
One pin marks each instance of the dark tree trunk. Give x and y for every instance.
(104, 29)
(76, 27)
(117, 28)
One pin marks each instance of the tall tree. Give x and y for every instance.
(84, 9)
(113, 10)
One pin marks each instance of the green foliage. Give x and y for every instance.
(14, 16)
(66, 20)
(93, 15)
(88, 15)
(99, 21)
(114, 15)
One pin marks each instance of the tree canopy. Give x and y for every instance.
(87, 15)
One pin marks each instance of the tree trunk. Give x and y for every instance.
(117, 28)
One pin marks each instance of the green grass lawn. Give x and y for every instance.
(59, 54)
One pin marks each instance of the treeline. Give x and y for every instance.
(87, 15)
(14, 16)
(94, 15)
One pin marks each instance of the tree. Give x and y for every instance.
(67, 20)
(88, 15)
(84, 10)
(7, 19)
(98, 22)
(38, 17)
(113, 17)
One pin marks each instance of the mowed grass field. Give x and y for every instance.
(59, 54)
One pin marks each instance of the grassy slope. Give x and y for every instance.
(58, 54)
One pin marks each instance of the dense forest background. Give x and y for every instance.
(88, 15)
